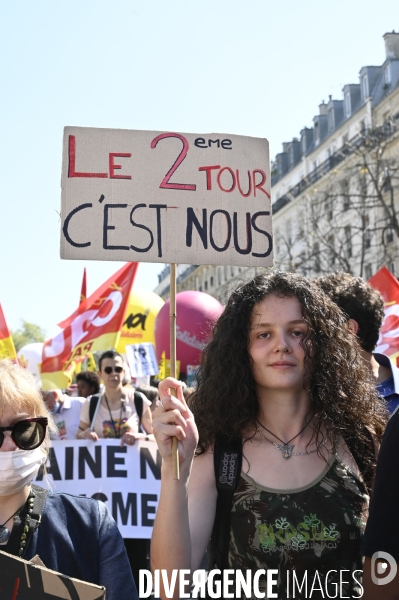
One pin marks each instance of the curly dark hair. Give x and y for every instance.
(91, 378)
(359, 301)
(343, 397)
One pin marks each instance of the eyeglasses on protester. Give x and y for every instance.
(26, 434)
(108, 370)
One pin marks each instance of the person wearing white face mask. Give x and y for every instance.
(54, 526)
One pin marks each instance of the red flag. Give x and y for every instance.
(83, 292)
(388, 286)
(95, 325)
(7, 348)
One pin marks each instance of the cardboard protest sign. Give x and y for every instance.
(126, 478)
(165, 197)
(22, 580)
(141, 359)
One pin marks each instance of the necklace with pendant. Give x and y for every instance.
(285, 449)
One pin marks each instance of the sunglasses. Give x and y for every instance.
(27, 434)
(108, 370)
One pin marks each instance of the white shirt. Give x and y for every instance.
(68, 417)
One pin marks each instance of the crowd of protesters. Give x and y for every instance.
(290, 384)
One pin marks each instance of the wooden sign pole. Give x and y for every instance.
(172, 315)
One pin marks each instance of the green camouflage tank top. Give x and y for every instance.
(315, 531)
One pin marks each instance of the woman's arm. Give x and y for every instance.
(85, 433)
(146, 419)
(186, 508)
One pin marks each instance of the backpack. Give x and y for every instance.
(138, 402)
(227, 460)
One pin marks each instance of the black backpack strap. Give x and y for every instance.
(227, 464)
(364, 464)
(138, 402)
(92, 408)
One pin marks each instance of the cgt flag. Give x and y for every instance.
(95, 325)
(7, 348)
(388, 285)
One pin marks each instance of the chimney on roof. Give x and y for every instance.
(323, 108)
(392, 45)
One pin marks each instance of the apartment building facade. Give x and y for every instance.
(335, 189)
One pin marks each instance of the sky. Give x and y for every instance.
(257, 68)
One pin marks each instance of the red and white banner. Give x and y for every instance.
(388, 286)
(95, 325)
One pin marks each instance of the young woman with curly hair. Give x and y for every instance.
(283, 374)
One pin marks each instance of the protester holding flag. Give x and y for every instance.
(364, 307)
(274, 390)
(73, 535)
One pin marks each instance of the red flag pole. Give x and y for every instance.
(172, 315)
(83, 291)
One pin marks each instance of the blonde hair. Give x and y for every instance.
(19, 392)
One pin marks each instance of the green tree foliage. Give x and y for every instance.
(27, 333)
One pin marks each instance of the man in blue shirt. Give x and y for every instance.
(364, 307)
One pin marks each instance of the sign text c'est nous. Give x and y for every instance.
(135, 209)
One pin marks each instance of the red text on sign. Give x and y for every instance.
(254, 181)
(72, 172)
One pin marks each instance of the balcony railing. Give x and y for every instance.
(361, 139)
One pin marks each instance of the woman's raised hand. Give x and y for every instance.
(171, 419)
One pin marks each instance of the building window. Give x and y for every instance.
(331, 124)
(211, 282)
(365, 87)
(329, 209)
(368, 272)
(289, 232)
(389, 235)
(392, 268)
(387, 75)
(205, 285)
(347, 104)
(219, 278)
(366, 230)
(316, 133)
(345, 194)
(348, 241)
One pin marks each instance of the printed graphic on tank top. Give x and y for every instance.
(318, 527)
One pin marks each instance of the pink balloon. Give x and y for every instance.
(196, 312)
